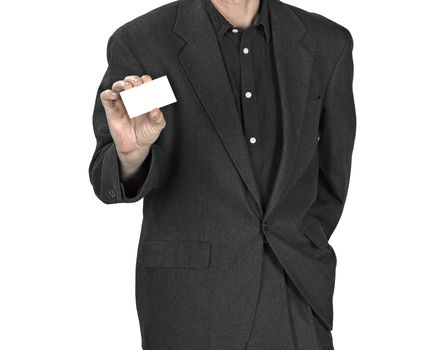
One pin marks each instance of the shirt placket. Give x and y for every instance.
(248, 93)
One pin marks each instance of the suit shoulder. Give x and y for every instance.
(159, 19)
(322, 27)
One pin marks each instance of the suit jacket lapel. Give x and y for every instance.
(203, 63)
(294, 67)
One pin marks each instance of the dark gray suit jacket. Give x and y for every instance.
(199, 256)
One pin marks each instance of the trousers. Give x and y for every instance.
(283, 319)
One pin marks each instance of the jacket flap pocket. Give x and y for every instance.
(179, 254)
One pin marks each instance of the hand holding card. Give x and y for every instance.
(133, 135)
(143, 98)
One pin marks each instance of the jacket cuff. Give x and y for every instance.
(114, 188)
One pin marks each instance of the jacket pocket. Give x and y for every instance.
(176, 254)
(317, 238)
(312, 230)
(313, 107)
(314, 99)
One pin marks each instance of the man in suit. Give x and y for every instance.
(243, 180)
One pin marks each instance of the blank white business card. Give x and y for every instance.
(143, 98)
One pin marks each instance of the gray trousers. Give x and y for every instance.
(283, 319)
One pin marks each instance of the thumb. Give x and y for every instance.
(157, 118)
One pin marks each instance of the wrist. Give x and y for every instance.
(131, 162)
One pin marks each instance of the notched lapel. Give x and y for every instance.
(203, 64)
(294, 65)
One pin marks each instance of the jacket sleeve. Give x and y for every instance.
(104, 169)
(335, 147)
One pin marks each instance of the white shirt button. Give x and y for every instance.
(246, 50)
(252, 140)
(235, 30)
(248, 94)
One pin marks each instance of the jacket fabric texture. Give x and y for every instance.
(198, 267)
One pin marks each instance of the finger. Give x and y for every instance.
(156, 116)
(121, 85)
(146, 78)
(135, 80)
(108, 97)
(129, 82)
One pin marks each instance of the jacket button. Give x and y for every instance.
(266, 226)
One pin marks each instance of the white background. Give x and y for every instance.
(67, 261)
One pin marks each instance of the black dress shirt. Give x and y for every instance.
(249, 62)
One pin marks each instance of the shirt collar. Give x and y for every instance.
(221, 24)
